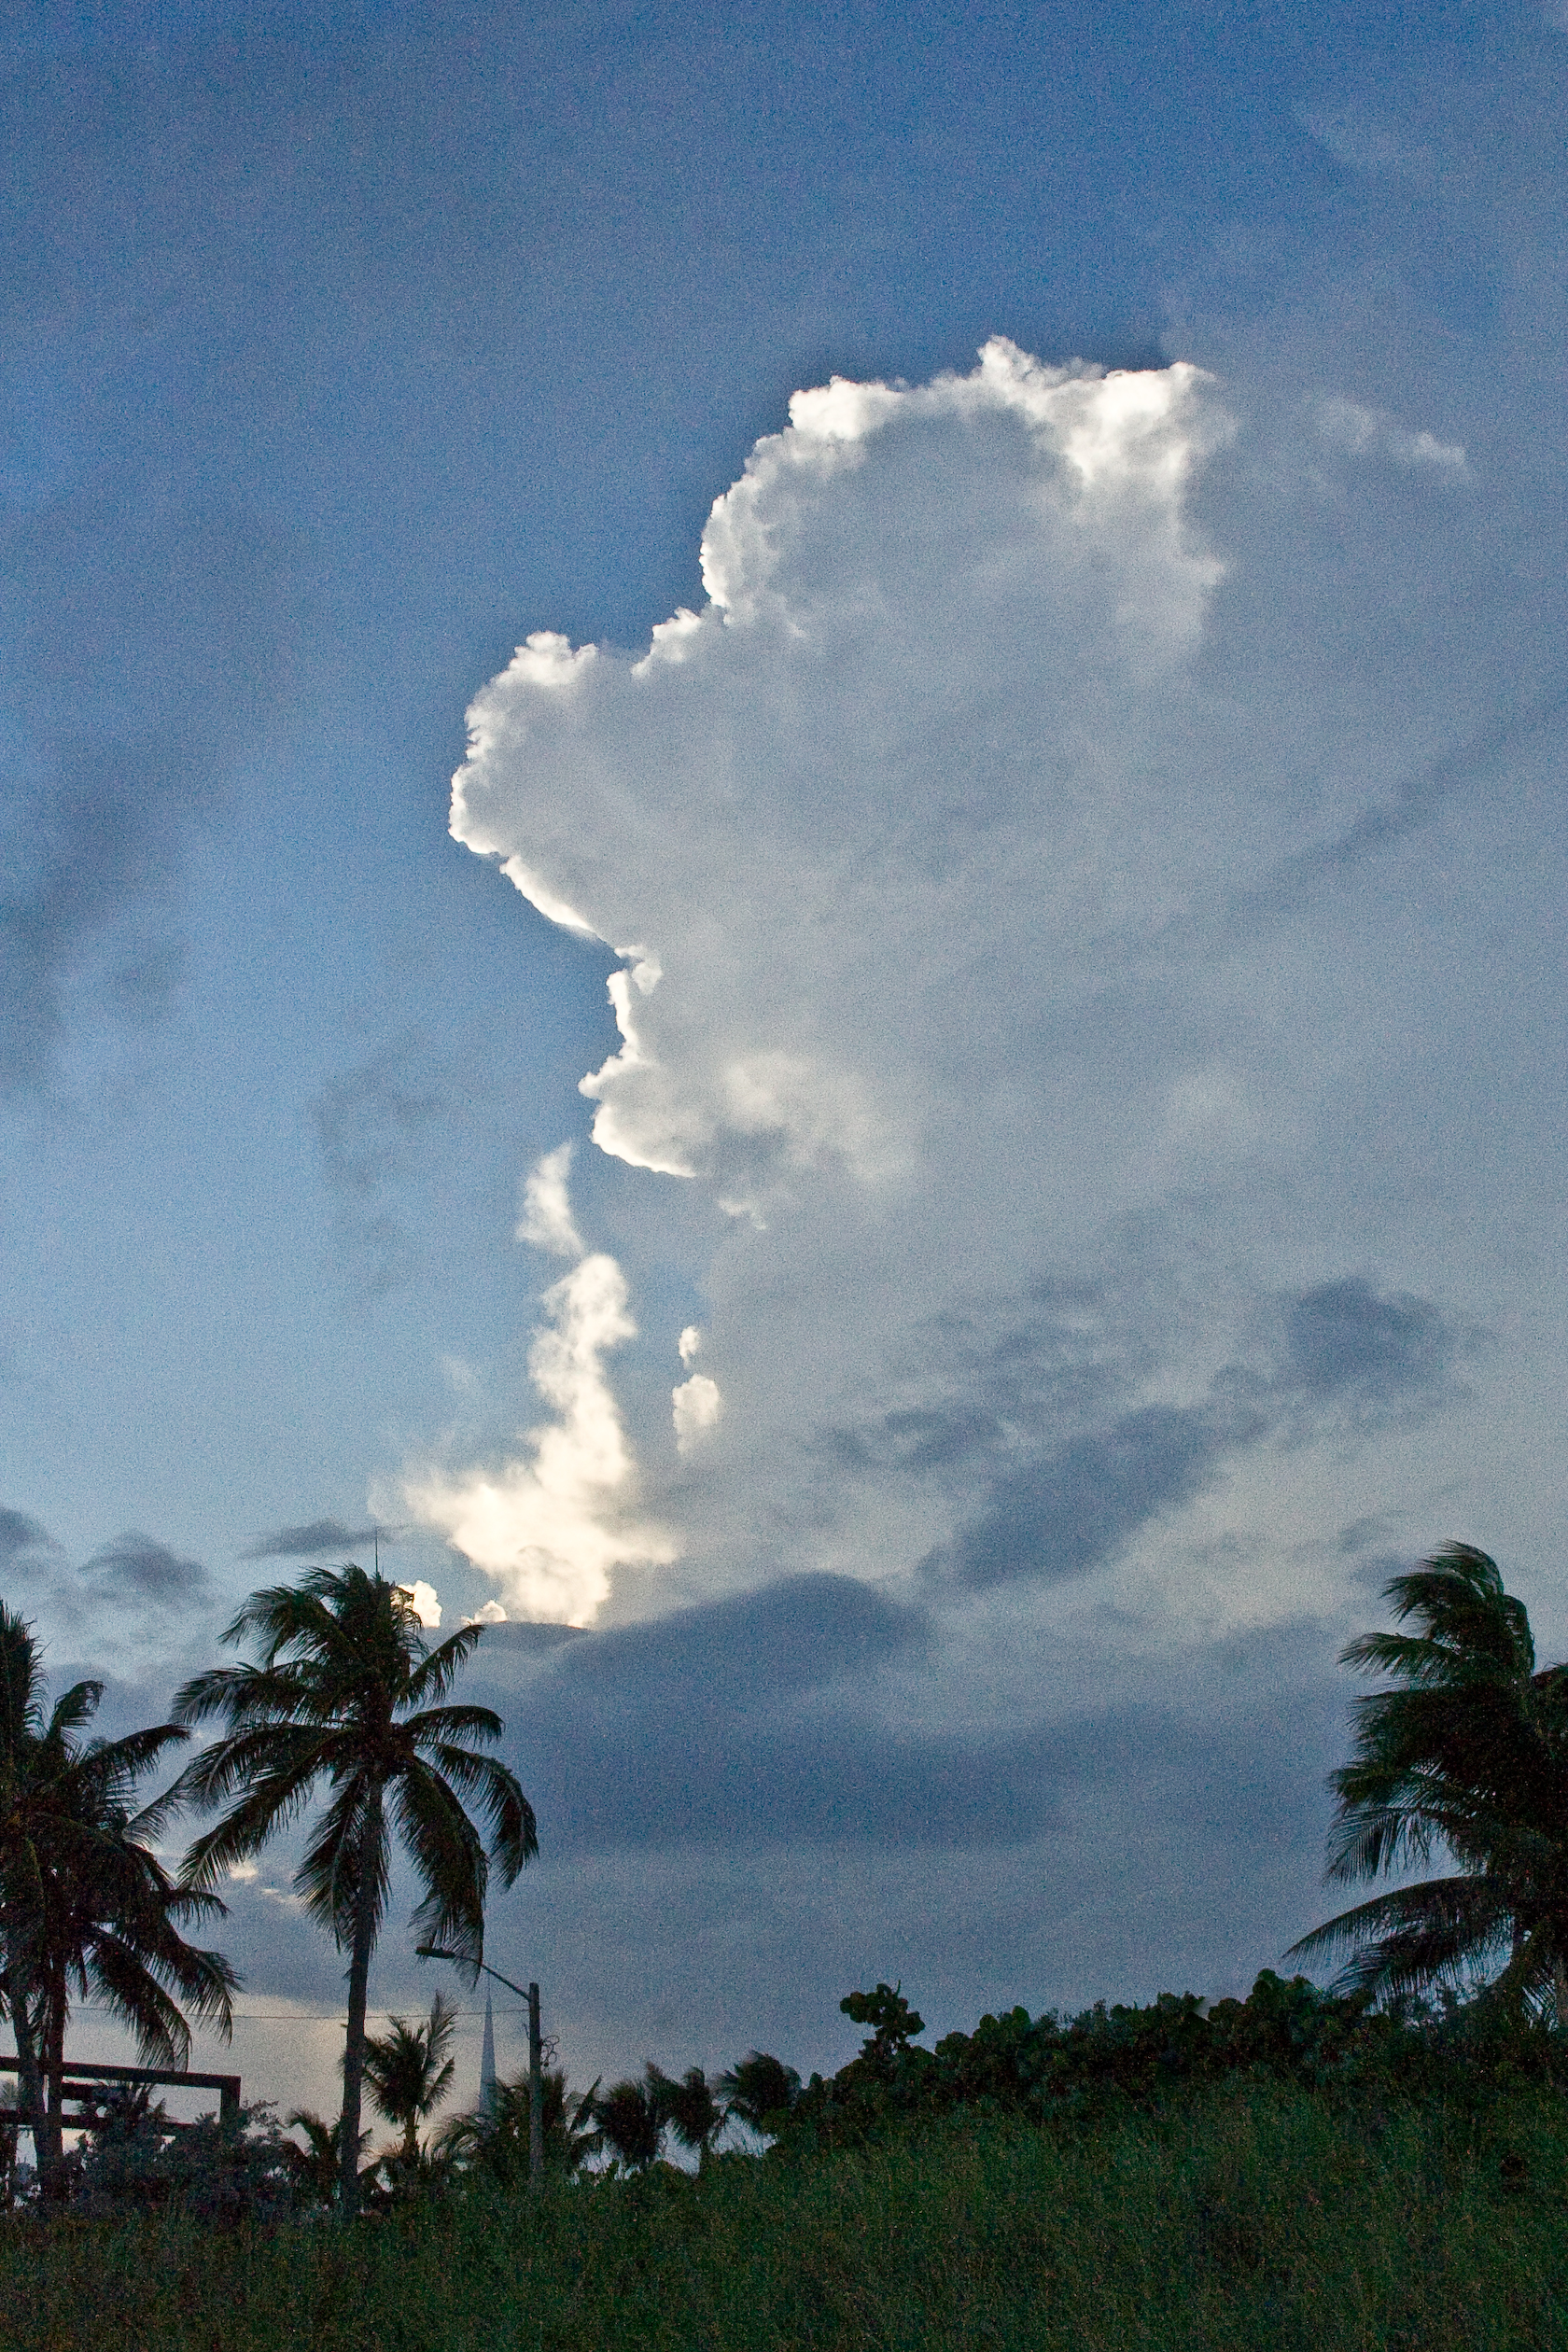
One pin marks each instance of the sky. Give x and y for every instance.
(783, 840)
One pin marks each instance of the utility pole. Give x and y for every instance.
(487, 2058)
(536, 2095)
(536, 2054)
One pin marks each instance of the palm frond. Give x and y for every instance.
(1414, 1937)
(1464, 1904)
(247, 1696)
(21, 1712)
(344, 1847)
(124, 1761)
(513, 1832)
(448, 1856)
(435, 1677)
(449, 1723)
(1459, 1597)
(1369, 1840)
(133, 1995)
(269, 1804)
(72, 1709)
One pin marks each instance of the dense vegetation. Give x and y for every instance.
(1109, 2060)
(1381, 2164)
(1268, 2217)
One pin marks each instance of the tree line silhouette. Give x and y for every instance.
(348, 1702)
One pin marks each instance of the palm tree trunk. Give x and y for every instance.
(359, 1990)
(30, 2079)
(52, 2176)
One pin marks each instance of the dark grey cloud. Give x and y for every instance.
(136, 1568)
(824, 1780)
(111, 1592)
(145, 645)
(1346, 1343)
(798, 1634)
(32, 1563)
(749, 1721)
(371, 1124)
(317, 1539)
(1066, 1514)
(754, 1723)
(1340, 1354)
(23, 1542)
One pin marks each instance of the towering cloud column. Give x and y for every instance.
(959, 857)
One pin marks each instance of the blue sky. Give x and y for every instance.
(1110, 1002)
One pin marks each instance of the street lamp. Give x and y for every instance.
(536, 2075)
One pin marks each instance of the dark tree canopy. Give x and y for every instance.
(1468, 1754)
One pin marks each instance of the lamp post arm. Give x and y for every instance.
(429, 1951)
(536, 2059)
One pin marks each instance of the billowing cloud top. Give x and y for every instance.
(879, 741)
(971, 858)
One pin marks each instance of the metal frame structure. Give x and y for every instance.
(75, 2083)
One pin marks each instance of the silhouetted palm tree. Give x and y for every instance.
(1471, 1754)
(319, 2163)
(688, 2106)
(760, 2091)
(496, 2136)
(409, 2070)
(631, 2125)
(342, 1694)
(86, 1907)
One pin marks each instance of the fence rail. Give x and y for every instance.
(75, 2083)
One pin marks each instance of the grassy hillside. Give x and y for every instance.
(1267, 2219)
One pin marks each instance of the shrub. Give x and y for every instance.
(1290, 2032)
(133, 2160)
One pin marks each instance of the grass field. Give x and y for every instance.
(1265, 2219)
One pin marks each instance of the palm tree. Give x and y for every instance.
(410, 2071)
(1470, 1755)
(86, 1907)
(343, 1694)
(317, 2166)
(631, 2125)
(760, 2091)
(689, 2108)
(497, 2134)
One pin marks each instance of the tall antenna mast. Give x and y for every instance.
(375, 1540)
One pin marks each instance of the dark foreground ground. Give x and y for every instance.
(1269, 2219)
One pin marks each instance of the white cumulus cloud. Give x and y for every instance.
(1372, 432)
(546, 1219)
(697, 1406)
(551, 1525)
(993, 864)
(747, 812)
